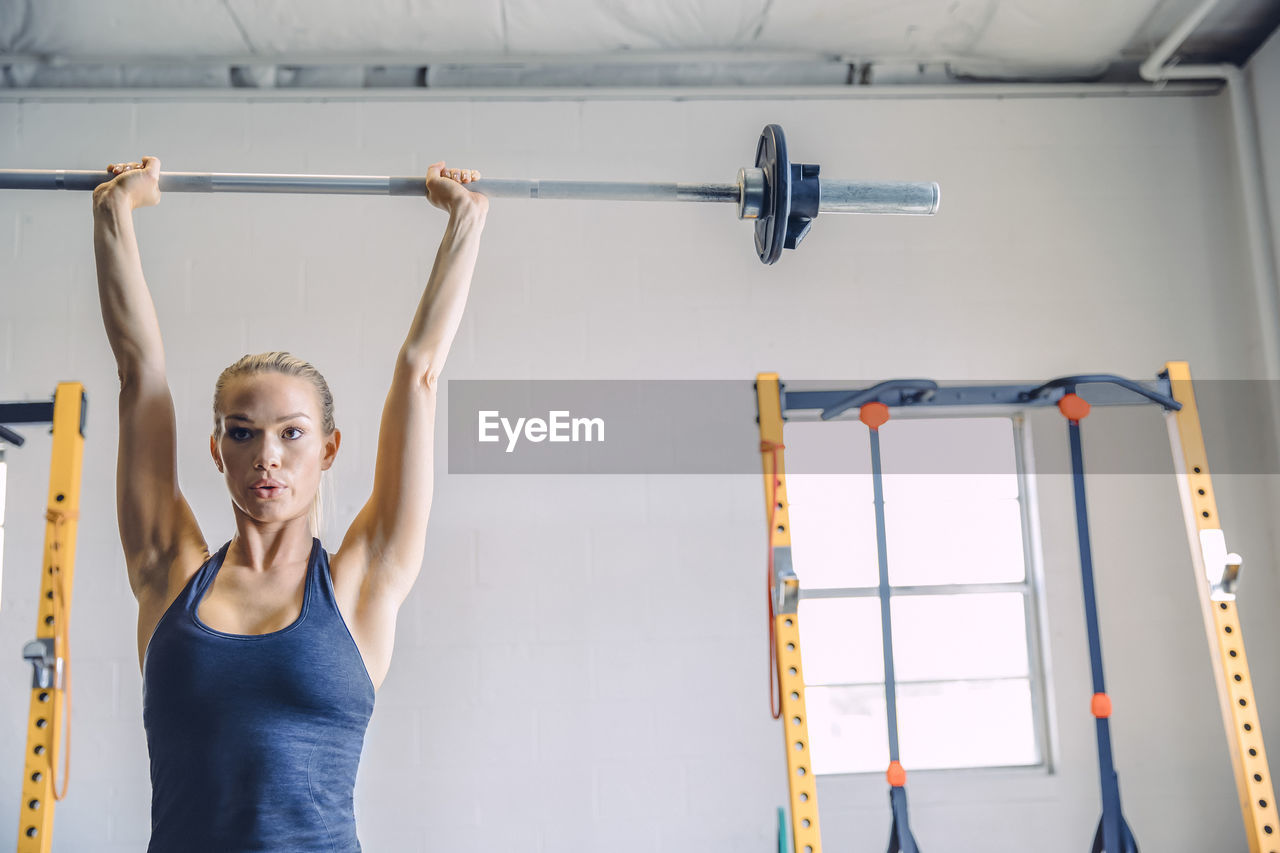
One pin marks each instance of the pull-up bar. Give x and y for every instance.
(782, 197)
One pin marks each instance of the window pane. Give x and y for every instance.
(949, 446)
(847, 729)
(963, 459)
(826, 447)
(954, 637)
(966, 724)
(840, 641)
(931, 542)
(952, 724)
(833, 531)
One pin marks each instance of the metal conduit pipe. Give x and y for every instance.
(1249, 158)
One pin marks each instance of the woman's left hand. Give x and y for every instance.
(447, 190)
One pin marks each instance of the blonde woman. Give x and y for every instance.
(260, 661)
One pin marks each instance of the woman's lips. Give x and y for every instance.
(267, 492)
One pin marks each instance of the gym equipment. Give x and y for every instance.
(50, 653)
(876, 415)
(782, 197)
(1216, 570)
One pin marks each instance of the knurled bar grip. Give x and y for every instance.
(835, 196)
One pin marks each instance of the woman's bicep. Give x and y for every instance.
(391, 528)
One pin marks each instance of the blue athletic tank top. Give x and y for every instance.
(255, 738)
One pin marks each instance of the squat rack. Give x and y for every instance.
(49, 654)
(1215, 569)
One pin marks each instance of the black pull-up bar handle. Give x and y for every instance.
(1070, 383)
(8, 436)
(923, 389)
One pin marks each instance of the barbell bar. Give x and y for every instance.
(773, 192)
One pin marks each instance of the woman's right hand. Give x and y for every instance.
(136, 184)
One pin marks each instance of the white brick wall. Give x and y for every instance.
(582, 664)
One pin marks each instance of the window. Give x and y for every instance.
(965, 635)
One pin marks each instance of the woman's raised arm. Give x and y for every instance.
(156, 524)
(387, 538)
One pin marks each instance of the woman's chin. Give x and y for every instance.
(273, 511)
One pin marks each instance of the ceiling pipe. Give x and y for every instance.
(1249, 158)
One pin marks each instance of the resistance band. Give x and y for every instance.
(1113, 834)
(876, 415)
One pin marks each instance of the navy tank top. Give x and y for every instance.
(255, 738)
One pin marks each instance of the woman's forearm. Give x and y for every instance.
(127, 309)
(440, 311)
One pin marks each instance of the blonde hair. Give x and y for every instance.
(288, 365)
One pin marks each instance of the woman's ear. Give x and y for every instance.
(213, 451)
(331, 444)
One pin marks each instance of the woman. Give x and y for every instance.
(260, 661)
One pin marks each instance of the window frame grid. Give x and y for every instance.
(1034, 613)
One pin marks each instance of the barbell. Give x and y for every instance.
(781, 197)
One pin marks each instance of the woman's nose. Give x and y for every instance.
(268, 455)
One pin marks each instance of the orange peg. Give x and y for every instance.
(874, 415)
(1074, 407)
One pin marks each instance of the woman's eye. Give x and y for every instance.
(238, 434)
(293, 430)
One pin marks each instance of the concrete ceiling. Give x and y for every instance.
(373, 43)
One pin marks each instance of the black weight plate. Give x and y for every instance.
(771, 226)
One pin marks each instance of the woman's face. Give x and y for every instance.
(273, 445)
